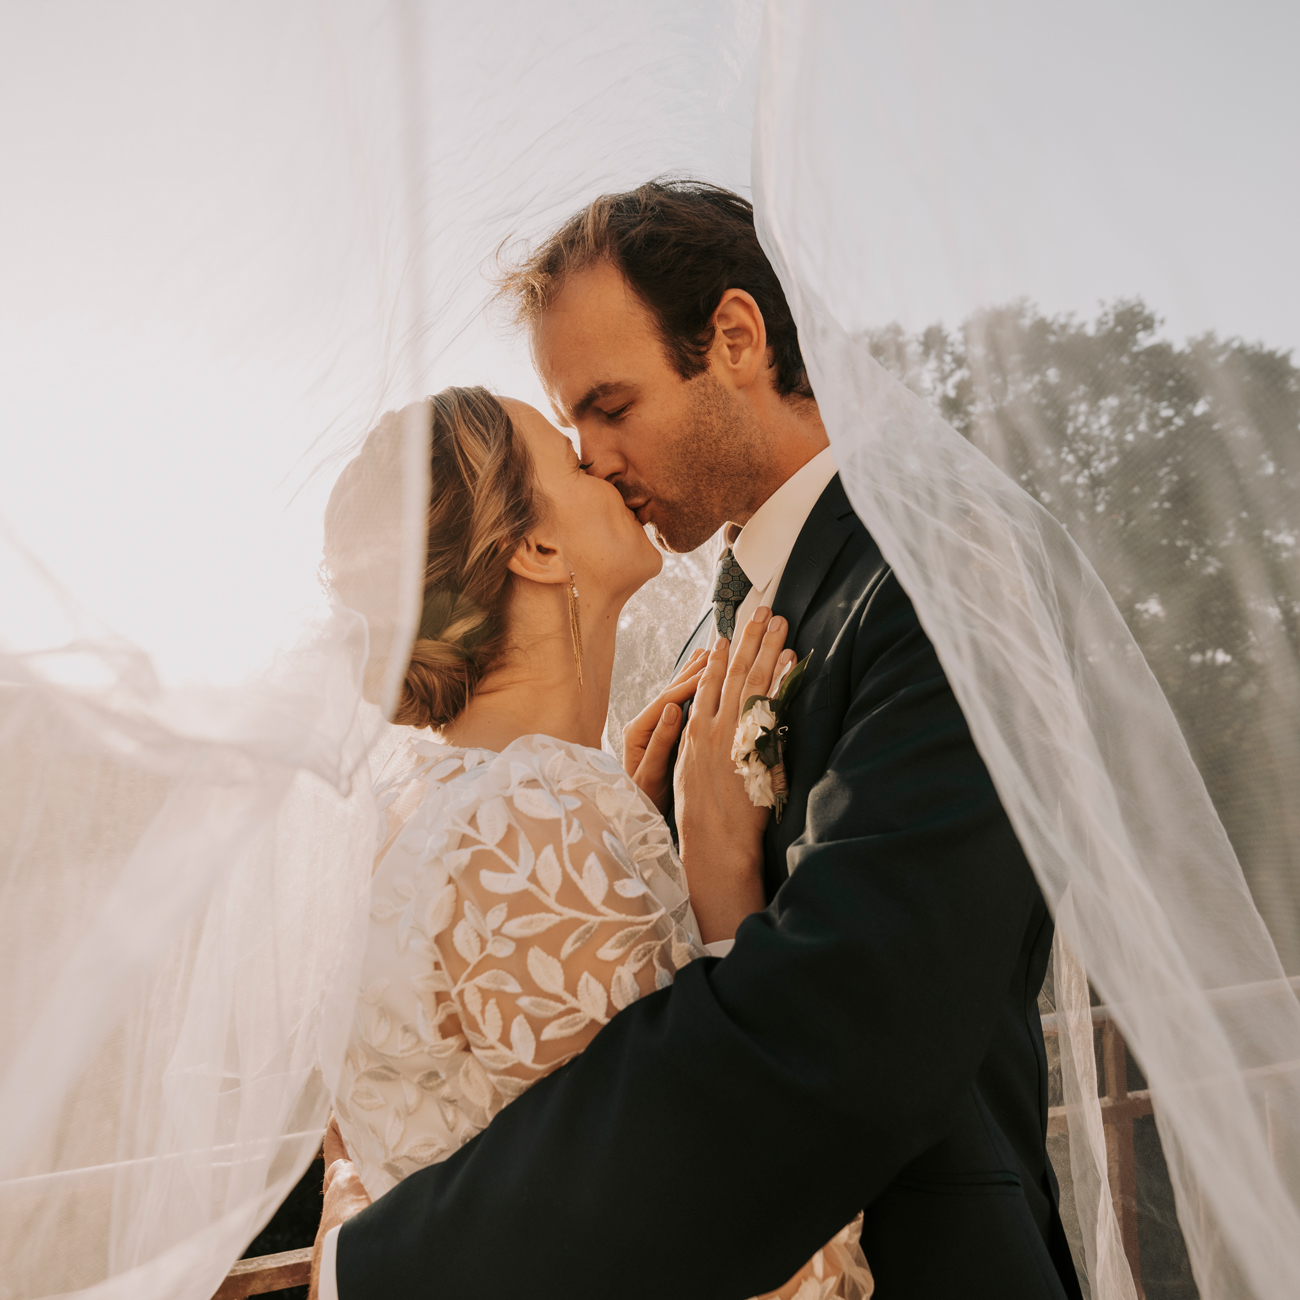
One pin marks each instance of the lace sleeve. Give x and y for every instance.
(560, 911)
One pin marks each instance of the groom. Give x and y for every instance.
(872, 1042)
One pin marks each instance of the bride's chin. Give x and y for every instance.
(650, 563)
(654, 560)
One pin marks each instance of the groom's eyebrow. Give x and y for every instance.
(594, 394)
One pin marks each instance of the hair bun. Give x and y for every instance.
(444, 665)
(437, 684)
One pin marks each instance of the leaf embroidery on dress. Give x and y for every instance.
(520, 927)
(536, 803)
(522, 1039)
(443, 907)
(623, 990)
(466, 940)
(577, 939)
(614, 948)
(548, 870)
(544, 968)
(491, 820)
(502, 882)
(566, 1025)
(529, 897)
(592, 997)
(543, 1008)
(498, 981)
(594, 882)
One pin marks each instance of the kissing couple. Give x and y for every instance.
(623, 1031)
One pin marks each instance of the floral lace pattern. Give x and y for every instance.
(527, 897)
(519, 900)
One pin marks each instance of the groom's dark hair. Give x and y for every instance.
(681, 245)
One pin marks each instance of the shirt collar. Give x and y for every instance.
(764, 544)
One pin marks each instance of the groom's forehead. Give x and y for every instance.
(596, 310)
(594, 340)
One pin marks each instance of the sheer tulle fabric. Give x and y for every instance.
(1081, 743)
(230, 234)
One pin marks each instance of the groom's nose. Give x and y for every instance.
(600, 454)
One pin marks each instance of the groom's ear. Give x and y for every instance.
(739, 349)
(539, 560)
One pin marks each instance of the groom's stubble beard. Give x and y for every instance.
(707, 469)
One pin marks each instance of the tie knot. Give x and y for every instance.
(730, 588)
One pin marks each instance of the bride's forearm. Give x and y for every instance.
(725, 888)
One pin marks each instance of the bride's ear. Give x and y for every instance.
(538, 560)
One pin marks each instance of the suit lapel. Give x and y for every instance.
(819, 542)
(695, 640)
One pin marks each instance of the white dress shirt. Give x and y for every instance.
(329, 1287)
(762, 549)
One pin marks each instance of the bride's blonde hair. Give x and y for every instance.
(484, 501)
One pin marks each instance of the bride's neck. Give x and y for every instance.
(536, 691)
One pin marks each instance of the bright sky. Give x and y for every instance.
(232, 233)
(1074, 152)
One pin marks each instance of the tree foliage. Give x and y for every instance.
(1177, 470)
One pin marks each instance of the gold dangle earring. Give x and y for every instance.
(575, 625)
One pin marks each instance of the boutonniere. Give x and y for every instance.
(760, 741)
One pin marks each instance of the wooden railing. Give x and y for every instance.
(1119, 1109)
(266, 1273)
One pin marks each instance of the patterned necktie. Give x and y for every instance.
(729, 589)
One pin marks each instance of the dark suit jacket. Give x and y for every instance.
(872, 1039)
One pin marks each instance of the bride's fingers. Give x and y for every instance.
(709, 690)
(694, 664)
(662, 739)
(637, 733)
(334, 1146)
(677, 692)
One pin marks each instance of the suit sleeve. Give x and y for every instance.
(716, 1132)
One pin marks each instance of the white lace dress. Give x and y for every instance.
(520, 899)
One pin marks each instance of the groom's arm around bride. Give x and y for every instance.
(872, 1041)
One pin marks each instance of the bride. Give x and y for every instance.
(527, 887)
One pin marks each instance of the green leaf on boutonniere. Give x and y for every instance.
(768, 748)
(789, 687)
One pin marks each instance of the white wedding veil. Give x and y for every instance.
(1047, 298)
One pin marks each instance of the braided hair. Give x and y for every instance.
(484, 501)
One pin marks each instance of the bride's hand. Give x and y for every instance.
(344, 1192)
(721, 831)
(649, 738)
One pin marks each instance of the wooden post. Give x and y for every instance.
(1121, 1160)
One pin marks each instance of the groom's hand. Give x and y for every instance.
(649, 738)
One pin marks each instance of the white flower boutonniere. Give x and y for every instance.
(760, 741)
